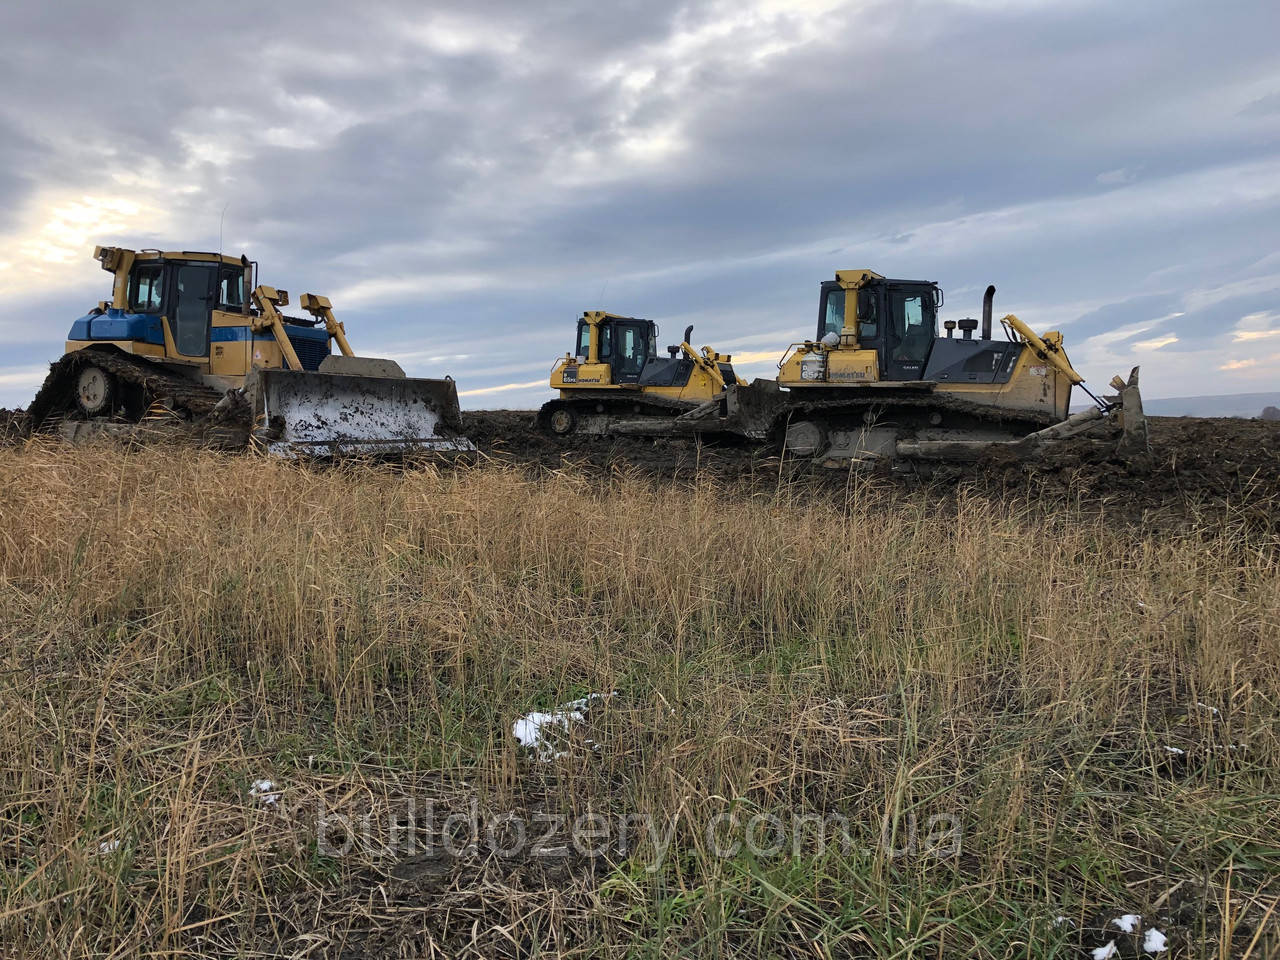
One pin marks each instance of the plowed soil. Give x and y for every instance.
(1196, 467)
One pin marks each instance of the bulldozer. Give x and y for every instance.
(615, 374)
(193, 338)
(878, 383)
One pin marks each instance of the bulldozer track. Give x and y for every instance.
(916, 402)
(615, 406)
(56, 397)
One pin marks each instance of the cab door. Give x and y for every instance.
(908, 328)
(629, 351)
(194, 289)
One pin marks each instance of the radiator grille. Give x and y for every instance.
(310, 351)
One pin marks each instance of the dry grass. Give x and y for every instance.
(176, 625)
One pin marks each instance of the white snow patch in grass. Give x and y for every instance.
(1176, 751)
(1060, 921)
(1128, 923)
(544, 733)
(108, 846)
(1154, 942)
(1107, 952)
(265, 791)
(531, 731)
(1214, 710)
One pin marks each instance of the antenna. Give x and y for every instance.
(603, 287)
(221, 218)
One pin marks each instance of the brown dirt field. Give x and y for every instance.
(1197, 467)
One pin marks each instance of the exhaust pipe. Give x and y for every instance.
(688, 332)
(986, 311)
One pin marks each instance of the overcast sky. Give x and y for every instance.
(465, 181)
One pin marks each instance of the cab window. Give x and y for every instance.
(584, 340)
(146, 286)
(912, 314)
(832, 313)
(909, 316)
(632, 348)
(913, 323)
(230, 289)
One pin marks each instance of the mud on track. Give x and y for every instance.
(1197, 467)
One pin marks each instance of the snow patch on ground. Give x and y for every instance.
(1154, 941)
(1106, 952)
(1128, 923)
(265, 792)
(545, 733)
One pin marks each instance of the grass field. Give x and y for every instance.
(844, 720)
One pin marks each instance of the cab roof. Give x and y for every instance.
(112, 254)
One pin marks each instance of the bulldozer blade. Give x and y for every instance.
(753, 409)
(1136, 440)
(328, 414)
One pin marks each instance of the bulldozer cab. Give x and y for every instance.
(184, 292)
(894, 322)
(626, 344)
(896, 318)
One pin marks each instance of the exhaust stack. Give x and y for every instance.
(986, 311)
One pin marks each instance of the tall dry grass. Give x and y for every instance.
(175, 625)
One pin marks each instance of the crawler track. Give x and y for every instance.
(145, 384)
(596, 413)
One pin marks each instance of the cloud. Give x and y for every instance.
(1267, 106)
(502, 388)
(1262, 325)
(465, 179)
(23, 378)
(1120, 175)
(1155, 343)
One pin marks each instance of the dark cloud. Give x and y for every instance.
(20, 158)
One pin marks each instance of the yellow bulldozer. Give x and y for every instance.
(616, 375)
(878, 383)
(194, 338)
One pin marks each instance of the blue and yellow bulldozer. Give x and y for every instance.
(193, 338)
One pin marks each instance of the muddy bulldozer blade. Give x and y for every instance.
(754, 409)
(328, 414)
